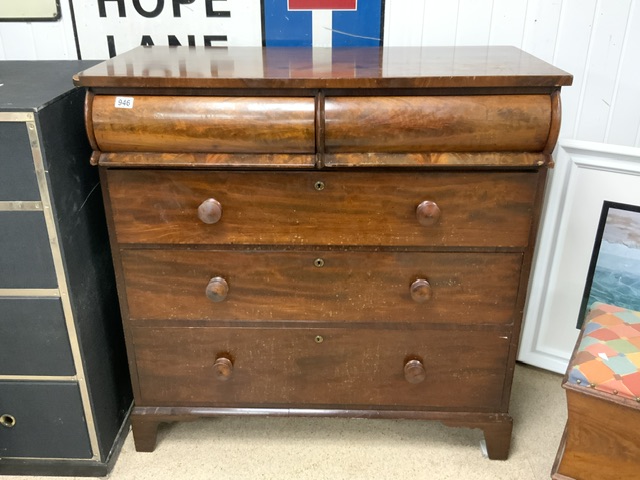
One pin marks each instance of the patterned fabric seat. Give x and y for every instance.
(608, 355)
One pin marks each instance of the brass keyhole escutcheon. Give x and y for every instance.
(318, 262)
(319, 185)
(8, 421)
(319, 339)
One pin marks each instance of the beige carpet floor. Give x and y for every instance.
(298, 448)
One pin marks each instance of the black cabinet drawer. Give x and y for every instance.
(42, 420)
(25, 253)
(17, 174)
(35, 340)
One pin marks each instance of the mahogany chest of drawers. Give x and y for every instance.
(316, 232)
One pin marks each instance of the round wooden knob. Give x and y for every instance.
(414, 371)
(223, 369)
(210, 211)
(217, 289)
(421, 291)
(428, 213)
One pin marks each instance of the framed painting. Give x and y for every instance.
(614, 271)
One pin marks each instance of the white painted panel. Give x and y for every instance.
(55, 47)
(440, 23)
(17, 41)
(624, 121)
(572, 52)
(602, 68)
(39, 40)
(474, 22)
(321, 26)
(507, 22)
(586, 175)
(403, 22)
(541, 28)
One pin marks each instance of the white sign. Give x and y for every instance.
(106, 28)
(124, 102)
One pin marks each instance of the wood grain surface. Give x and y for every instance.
(255, 161)
(601, 439)
(205, 124)
(478, 209)
(437, 123)
(343, 233)
(350, 368)
(295, 68)
(348, 287)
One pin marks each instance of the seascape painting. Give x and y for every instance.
(614, 272)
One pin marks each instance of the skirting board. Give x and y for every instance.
(586, 175)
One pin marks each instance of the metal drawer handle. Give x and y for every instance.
(428, 213)
(210, 211)
(8, 421)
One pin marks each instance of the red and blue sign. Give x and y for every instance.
(323, 4)
(353, 22)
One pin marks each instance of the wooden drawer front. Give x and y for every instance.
(323, 208)
(320, 367)
(47, 418)
(438, 124)
(205, 124)
(466, 288)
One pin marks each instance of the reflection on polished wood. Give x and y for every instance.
(391, 67)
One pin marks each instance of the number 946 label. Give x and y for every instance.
(124, 102)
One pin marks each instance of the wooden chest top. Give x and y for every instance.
(296, 67)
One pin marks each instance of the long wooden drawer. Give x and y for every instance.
(316, 367)
(474, 123)
(325, 286)
(461, 209)
(203, 124)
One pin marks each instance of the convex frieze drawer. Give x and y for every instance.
(342, 237)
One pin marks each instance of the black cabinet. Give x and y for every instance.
(65, 393)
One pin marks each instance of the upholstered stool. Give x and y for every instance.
(602, 436)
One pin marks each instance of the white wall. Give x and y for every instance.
(598, 41)
(39, 40)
